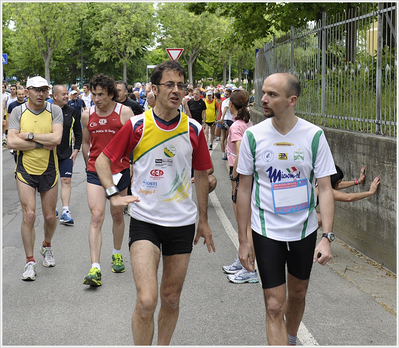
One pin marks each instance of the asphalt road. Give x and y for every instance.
(351, 301)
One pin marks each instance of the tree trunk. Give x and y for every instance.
(124, 72)
(47, 68)
(224, 74)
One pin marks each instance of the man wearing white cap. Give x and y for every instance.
(77, 103)
(35, 131)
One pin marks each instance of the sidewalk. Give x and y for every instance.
(366, 274)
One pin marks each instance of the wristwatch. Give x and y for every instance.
(329, 236)
(31, 136)
(111, 191)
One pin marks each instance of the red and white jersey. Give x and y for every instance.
(102, 131)
(163, 155)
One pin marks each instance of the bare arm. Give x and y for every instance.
(356, 196)
(326, 204)
(103, 169)
(186, 108)
(346, 184)
(46, 139)
(237, 145)
(223, 113)
(202, 190)
(126, 114)
(245, 251)
(85, 136)
(204, 116)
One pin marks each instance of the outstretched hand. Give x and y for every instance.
(122, 201)
(204, 231)
(374, 185)
(362, 175)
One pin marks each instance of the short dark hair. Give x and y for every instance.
(120, 82)
(339, 175)
(105, 82)
(157, 73)
(87, 85)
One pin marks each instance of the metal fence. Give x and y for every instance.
(347, 67)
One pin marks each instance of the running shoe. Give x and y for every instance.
(117, 263)
(56, 213)
(4, 142)
(244, 276)
(210, 147)
(49, 260)
(66, 218)
(224, 156)
(29, 271)
(234, 267)
(93, 278)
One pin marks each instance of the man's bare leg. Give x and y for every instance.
(174, 273)
(145, 257)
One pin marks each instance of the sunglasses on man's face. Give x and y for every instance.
(38, 89)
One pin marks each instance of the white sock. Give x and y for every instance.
(96, 265)
(65, 209)
(116, 252)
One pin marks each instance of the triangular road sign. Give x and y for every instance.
(174, 53)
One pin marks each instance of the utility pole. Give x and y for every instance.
(81, 54)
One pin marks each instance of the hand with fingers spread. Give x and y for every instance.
(204, 231)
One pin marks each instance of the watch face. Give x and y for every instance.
(30, 136)
(331, 236)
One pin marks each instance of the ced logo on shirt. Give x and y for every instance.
(156, 173)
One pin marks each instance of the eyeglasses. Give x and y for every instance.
(171, 85)
(38, 90)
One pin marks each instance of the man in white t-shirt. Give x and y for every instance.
(279, 162)
(6, 103)
(86, 95)
(226, 121)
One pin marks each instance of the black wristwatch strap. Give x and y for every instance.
(111, 191)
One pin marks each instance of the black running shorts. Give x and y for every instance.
(171, 240)
(273, 255)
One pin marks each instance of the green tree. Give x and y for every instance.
(42, 26)
(124, 31)
(255, 20)
(183, 29)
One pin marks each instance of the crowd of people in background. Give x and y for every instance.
(46, 126)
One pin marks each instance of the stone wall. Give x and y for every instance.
(368, 225)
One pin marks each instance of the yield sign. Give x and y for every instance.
(174, 53)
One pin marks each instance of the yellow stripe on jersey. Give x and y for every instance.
(154, 136)
(36, 161)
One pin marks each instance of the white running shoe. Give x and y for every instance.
(29, 271)
(234, 267)
(244, 276)
(49, 260)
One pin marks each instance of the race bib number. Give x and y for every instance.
(290, 197)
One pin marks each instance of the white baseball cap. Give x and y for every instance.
(74, 92)
(37, 81)
(209, 92)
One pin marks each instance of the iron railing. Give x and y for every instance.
(347, 67)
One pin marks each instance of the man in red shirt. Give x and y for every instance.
(166, 144)
(100, 124)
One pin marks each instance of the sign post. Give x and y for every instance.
(150, 67)
(174, 53)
